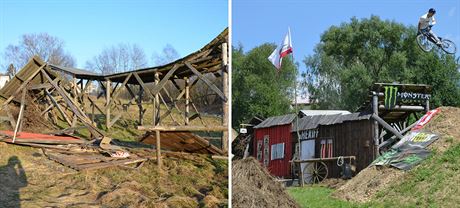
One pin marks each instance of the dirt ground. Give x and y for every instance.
(254, 187)
(29, 179)
(369, 181)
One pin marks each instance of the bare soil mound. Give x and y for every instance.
(254, 187)
(369, 181)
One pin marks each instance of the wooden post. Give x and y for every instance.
(156, 119)
(375, 109)
(92, 113)
(21, 113)
(75, 100)
(107, 96)
(156, 109)
(158, 148)
(187, 100)
(225, 134)
(427, 105)
(139, 105)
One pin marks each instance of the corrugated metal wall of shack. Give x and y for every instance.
(351, 138)
(277, 134)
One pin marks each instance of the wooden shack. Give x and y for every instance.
(273, 144)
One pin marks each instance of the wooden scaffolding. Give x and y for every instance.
(391, 106)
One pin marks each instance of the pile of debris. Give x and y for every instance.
(76, 153)
(253, 186)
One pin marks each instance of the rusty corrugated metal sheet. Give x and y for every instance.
(312, 122)
(276, 121)
(183, 141)
(277, 134)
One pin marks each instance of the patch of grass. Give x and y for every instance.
(430, 184)
(317, 196)
(450, 139)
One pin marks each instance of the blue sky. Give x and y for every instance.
(87, 27)
(259, 21)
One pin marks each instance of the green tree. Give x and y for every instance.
(353, 56)
(258, 89)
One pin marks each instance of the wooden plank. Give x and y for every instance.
(48, 141)
(206, 80)
(225, 114)
(158, 148)
(21, 113)
(182, 93)
(107, 101)
(64, 115)
(183, 128)
(139, 80)
(40, 86)
(161, 84)
(156, 103)
(47, 109)
(187, 101)
(114, 120)
(95, 166)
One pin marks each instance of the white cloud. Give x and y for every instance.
(452, 11)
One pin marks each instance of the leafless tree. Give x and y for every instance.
(119, 58)
(11, 71)
(168, 54)
(49, 48)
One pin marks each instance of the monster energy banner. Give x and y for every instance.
(409, 152)
(394, 96)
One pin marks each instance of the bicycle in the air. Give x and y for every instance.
(426, 42)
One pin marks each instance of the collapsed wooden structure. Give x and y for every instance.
(51, 90)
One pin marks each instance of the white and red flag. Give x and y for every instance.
(281, 51)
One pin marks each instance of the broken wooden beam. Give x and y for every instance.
(183, 128)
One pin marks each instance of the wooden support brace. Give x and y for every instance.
(61, 111)
(207, 81)
(85, 120)
(387, 126)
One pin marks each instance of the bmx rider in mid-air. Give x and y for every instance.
(425, 23)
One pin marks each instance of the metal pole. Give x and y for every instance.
(375, 109)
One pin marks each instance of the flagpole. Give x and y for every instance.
(297, 115)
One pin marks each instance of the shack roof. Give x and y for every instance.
(276, 121)
(312, 122)
(323, 112)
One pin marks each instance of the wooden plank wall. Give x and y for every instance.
(351, 138)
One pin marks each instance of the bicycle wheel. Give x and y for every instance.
(448, 46)
(423, 42)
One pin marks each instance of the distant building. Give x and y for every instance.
(3, 80)
(302, 103)
(91, 89)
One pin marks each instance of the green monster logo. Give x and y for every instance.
(391, 93)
